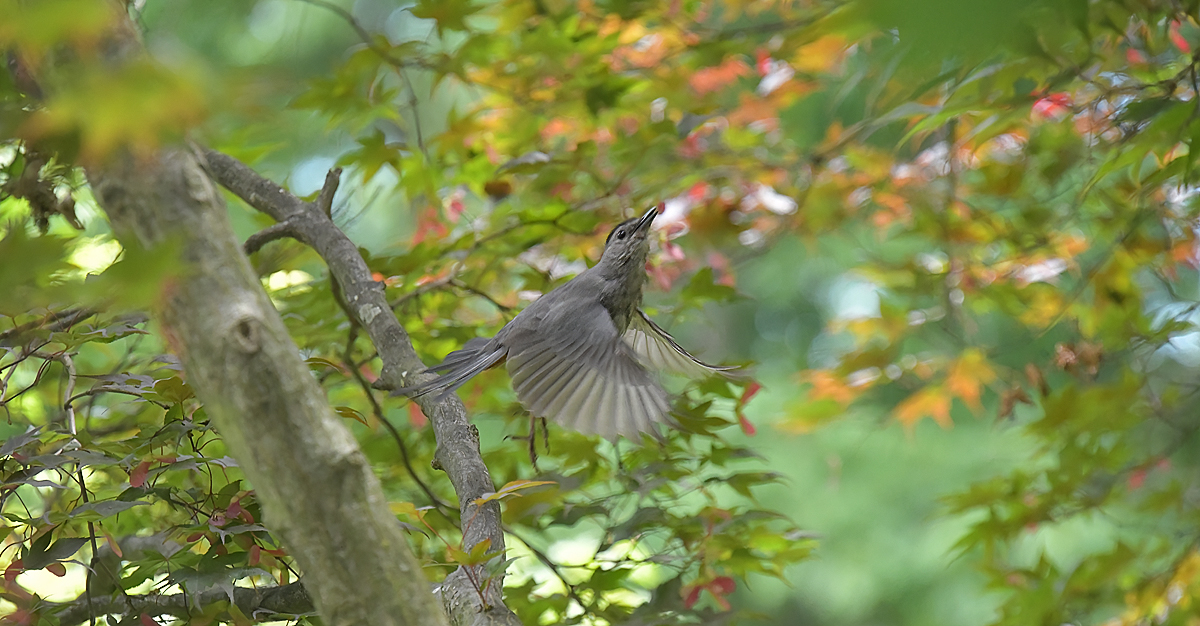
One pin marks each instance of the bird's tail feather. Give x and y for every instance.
(458, 367)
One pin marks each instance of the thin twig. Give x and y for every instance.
(69, 365)
(554, 568)
(377, 411)
(482, 294)
(385, 54)
(325, 199)
(425, 288)
(255, 242)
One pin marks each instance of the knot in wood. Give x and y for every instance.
(247, 334)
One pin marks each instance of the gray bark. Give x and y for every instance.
(457, 440)
(316, 488)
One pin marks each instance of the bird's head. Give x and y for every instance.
(628, 242)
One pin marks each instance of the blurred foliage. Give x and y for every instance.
(942, 209)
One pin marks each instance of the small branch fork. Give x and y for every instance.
(287, 227)
(363, 298)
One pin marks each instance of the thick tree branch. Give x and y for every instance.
(318, 491)
(457, 441)
(287, 600)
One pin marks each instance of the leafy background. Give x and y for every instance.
(955, 239)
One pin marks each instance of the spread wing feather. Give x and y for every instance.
(589, 380)
(657, 350)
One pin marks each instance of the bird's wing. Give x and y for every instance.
(658, 351)
(580, 374)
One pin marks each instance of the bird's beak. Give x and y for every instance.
(644, 223)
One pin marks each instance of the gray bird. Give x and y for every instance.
(582, 354)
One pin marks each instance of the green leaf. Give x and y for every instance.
(702, 288)
(449, 14)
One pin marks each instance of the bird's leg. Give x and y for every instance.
(545, 435)
(617, 451)
(533, 442)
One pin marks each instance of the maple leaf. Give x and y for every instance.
(449, 14)
(711, 79)
(827, 385)
(372, 154)
(932, 401)
(968, 375)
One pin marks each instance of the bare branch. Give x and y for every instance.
(325, 199)
(255, 242)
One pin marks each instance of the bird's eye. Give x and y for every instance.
(620, 234)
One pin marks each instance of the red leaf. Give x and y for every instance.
(429, 225)
(1178, 39)
(234, 509)
(747, 427)
(137, 477)
(723, 585)
(1053, 106)
(455, 209)
(762, 62)
(146, 620)
(692, 597)
(58, 569)
(255, 556)
(415, 416)
(698, 192)
(14, 568)
(751, 389)
(1136, 479)
(721, 269)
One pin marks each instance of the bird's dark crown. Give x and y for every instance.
(634, 225)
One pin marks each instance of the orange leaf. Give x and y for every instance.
(968, 375)
(711, 79)
(112, 543)
(350, 413)
(137, 477)
(827, 385)
(821, 55)
(932, 401)
(511, 489)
